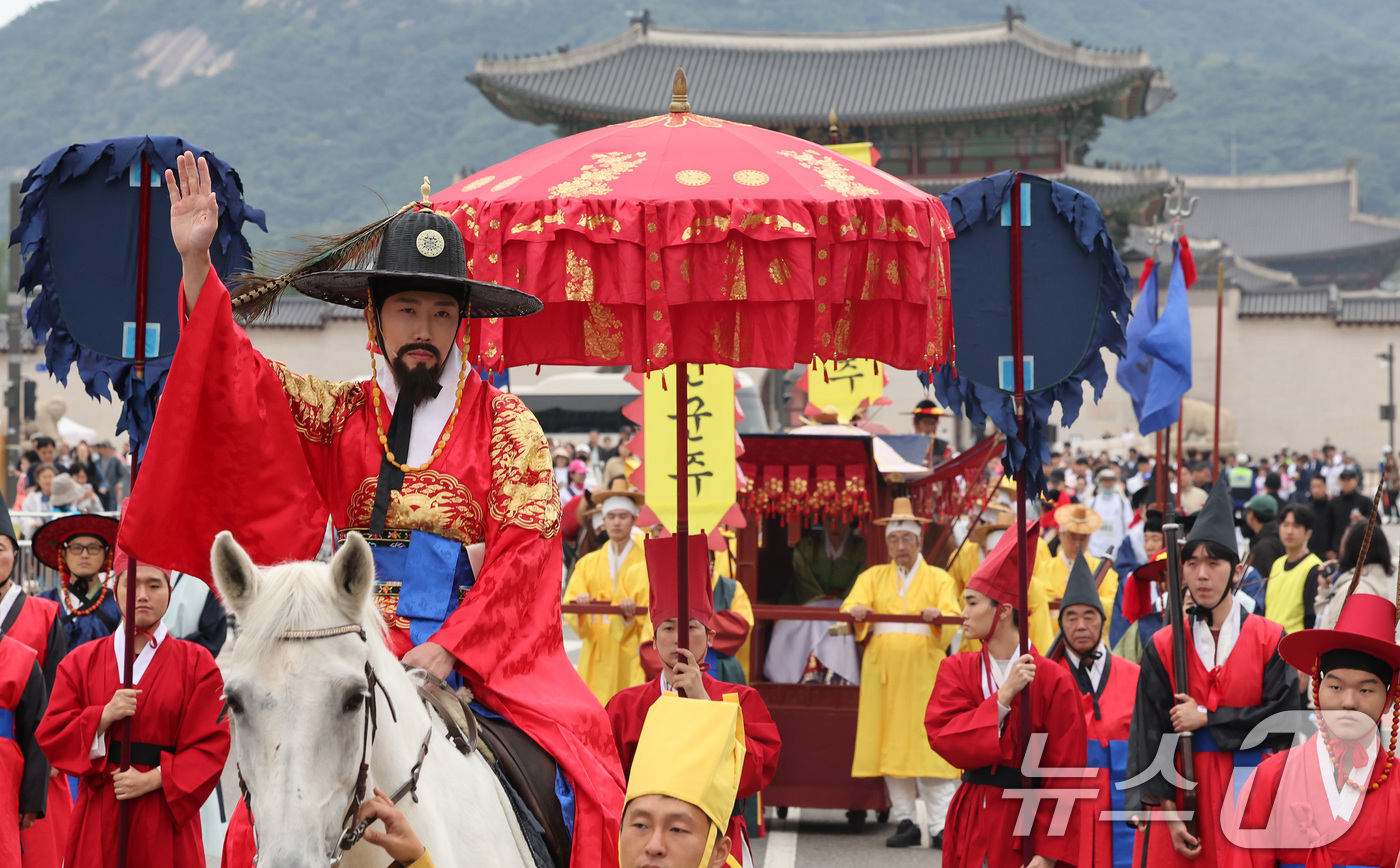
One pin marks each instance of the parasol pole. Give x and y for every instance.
(683, 506)
(1019, 396)
(1219, 326)
(143, 256)
(1180, 437)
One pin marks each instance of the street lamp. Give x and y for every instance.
(1388, 408)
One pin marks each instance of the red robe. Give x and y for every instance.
(627, 711)
(1111, 843)
(962, 728)
(37, 625)
(289, 450)
(22, 767)
(1253, 684)
(178, 710)
(1302, 830)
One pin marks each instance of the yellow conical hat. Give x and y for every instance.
(693, 751)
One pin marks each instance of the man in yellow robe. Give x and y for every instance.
(897, 676)
(609, 662)
(1076, 522)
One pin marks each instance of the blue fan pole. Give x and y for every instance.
(143, 256)
(1019, 396)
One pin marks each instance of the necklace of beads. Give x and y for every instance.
(1327, 738)
(71, 599)
(451, 421)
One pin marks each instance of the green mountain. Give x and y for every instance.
(320, 102)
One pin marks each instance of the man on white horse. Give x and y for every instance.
(423, 458)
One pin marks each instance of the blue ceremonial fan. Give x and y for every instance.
(1074, 301)
(83, 240)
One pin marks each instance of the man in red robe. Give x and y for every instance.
(178, 744)
(682, 672)
(1333, 800)
(24, 773)
(1236, 680)
(1108, 687)
(974, 721)
(423, 458)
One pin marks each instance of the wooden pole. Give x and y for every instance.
(1219, 330)
(1019, 383)
(683, 506)
(1180, 436)
(143, 256)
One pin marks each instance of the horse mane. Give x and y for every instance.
(299, 596)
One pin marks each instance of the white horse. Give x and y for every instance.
(300, 707)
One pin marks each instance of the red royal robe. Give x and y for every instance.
(1252, 684)
(1108, 753)
(962, 728)
(289, 450)
(627, 711)
(37, 625)
(21, 703)
(1285, 817)
(178, 709)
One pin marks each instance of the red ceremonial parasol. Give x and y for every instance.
(686, 239)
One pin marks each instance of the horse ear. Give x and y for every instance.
(352, 572)
(234, 572)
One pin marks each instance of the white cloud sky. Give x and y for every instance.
(10, 9)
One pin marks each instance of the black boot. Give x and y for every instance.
(907, 835)
(937, 842)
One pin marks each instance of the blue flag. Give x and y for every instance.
(1135, 368)
(1169, 342)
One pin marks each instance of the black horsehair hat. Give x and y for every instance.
(1079, 587)
(414, 249)
(1216, 520)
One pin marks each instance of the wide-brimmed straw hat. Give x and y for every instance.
(902, 510)
(1077, 518)
(1003, 519)
(619, 488)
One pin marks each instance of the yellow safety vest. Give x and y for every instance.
(1283, 601)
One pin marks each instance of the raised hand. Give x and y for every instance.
(194, 218)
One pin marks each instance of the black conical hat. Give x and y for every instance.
(7, 527)
(1079, 588)
(1216, 520)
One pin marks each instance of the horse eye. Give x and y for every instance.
(235, 705)
(353, 703)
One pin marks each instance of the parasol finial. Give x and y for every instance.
(427, 189)
(832, 130)
(680, 102)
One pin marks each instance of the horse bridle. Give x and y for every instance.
(351, 832)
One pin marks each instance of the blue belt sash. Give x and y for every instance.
(7, 724)
(1114, 759)
(1244, 760)
(431, 574)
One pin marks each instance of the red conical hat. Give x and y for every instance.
(1367, 624)
(999, 575)
(661, 575)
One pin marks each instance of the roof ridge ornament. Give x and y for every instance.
(680, 101)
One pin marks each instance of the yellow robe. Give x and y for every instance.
(964, 565)
(898, 672)
(609, 661)
(1054, 574)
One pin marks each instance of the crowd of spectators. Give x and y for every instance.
(53, 478)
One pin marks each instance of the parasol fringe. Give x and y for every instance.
(256, 295)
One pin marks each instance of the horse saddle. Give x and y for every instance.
(526, 771)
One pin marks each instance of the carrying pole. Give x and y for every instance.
(143, 256)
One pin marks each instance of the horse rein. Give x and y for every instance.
(351, 832)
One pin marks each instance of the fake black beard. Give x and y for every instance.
(419, 383)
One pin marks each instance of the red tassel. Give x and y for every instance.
(537, 370)
(877, 368)
(826, 374)
(663, 381)
(1188, 263)
(1147, 268)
